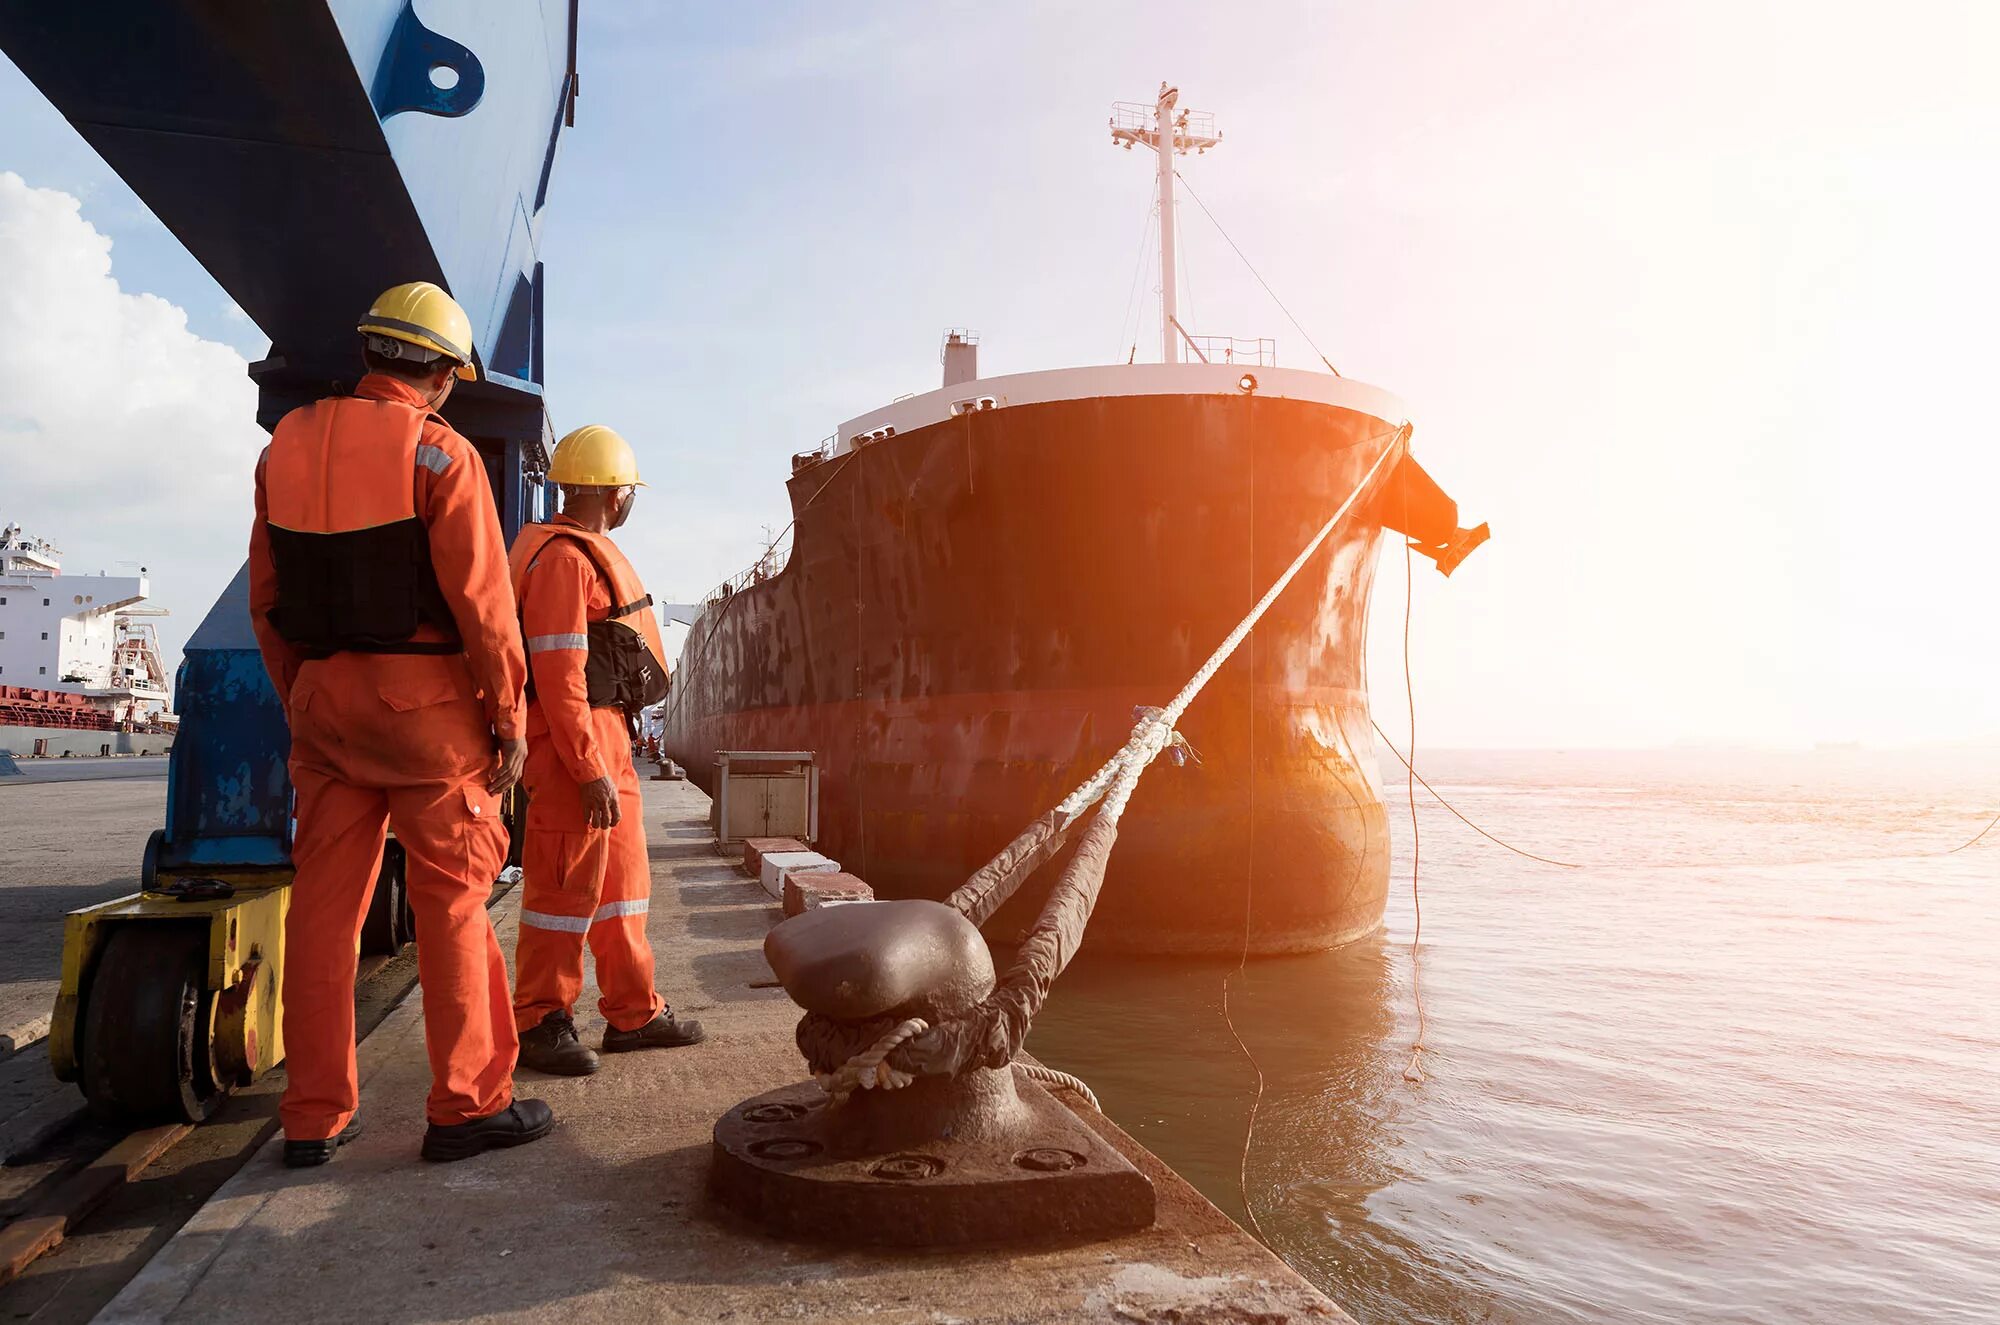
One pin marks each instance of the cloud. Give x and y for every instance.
(124, 437)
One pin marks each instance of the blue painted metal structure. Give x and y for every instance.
(228, 796)
(310, 154)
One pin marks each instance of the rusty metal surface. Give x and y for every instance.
(907, 958)
(802, 1168)
(973, 609)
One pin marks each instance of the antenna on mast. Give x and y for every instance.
(1169, 135)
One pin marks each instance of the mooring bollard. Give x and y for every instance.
(984, 1155)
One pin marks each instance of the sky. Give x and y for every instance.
(1694, 302)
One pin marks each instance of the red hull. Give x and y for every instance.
(21, 706)
(973, 608)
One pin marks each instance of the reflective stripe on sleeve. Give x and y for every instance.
(556, 643)
(612, 910)
(561, 924)
(433, 458)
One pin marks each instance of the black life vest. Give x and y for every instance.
(352, 554)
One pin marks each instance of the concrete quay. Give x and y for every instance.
(608, 1219)
(63, 844)
(74, 742)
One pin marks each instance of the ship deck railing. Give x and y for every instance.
(1248, 351)
(767, 567)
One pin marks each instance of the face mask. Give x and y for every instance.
(624, 507)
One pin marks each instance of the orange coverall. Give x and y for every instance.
(578, 883)
(382, 739)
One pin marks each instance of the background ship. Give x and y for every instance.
(80, 667)
(986, 580)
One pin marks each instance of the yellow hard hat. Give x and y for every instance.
(594, 456)
(421, 314)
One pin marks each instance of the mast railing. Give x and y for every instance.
(1131, 116)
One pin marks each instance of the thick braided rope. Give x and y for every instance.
(1115, 782)
(1120, 774)
(1051, 1077)
(867, 1070)
(1172, 713)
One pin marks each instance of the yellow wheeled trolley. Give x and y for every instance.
(173, 997)
(170, 1000)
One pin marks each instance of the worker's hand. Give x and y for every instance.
(507, 761)
(600, 803)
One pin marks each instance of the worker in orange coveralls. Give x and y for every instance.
(379, 594)
(595, 660)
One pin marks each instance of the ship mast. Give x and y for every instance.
(1169, 135)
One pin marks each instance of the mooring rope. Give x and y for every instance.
(1112, 785)
(1154, 732)
(1463, 818)
(1414, 1073)
(868, 1069)
(1050, 1077)
(982, 894)
(1243, 1047)
(1974, 840)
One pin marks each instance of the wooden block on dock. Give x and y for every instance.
(779, 863)
(754, 849)
(810, 891)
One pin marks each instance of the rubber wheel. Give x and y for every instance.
(146, 1051)
(149, 863)
(388, 925)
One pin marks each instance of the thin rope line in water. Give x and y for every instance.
(1242, 962)
(1437, 796)
(1460, 815)
(1994, 823)
(1414, 1073)
(1256, 1100)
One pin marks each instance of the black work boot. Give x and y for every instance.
(662, 1032)
(310, 1154)
(516, 1125)
(552, 1047)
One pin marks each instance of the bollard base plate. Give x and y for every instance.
(777, 1160)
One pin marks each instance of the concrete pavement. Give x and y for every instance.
(62, 845)
(607, 1219)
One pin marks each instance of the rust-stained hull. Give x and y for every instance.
(972, 609)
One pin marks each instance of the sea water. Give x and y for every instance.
(1742, 1066)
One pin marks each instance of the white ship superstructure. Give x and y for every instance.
(84, 635)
